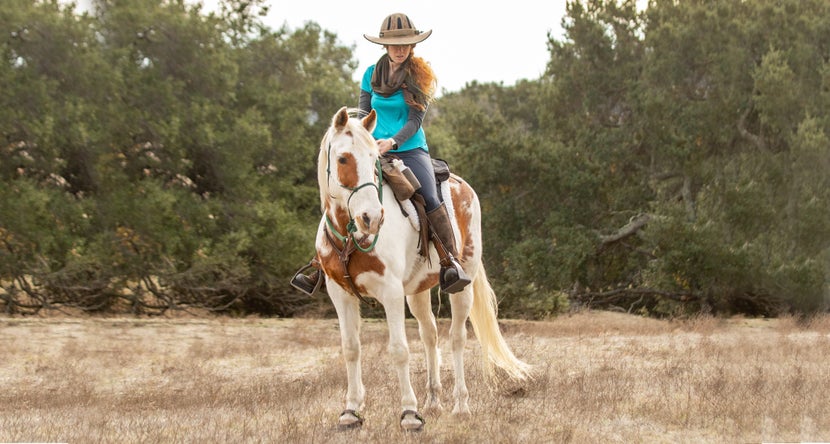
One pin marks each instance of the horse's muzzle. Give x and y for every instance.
(369, 223)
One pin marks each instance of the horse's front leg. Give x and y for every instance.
(399, 353)
(421, 307)
(348, 315)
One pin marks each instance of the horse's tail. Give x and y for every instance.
(483, 316)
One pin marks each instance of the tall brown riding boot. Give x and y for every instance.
(452, 277)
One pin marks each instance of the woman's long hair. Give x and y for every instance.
(420, 82)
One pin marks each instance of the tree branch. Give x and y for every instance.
(632, 227)
(758, 141)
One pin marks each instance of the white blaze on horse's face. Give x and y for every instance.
(353, 162)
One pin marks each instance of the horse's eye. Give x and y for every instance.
(342, 160)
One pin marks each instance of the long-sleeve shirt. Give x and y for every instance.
(396, 119)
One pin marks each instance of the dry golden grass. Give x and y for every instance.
(603, 377)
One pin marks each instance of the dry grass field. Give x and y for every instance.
(602, 377)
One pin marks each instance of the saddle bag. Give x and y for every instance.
(394, 173)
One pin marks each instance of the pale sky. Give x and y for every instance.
(497, 42)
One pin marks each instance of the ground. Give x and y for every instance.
(600, 376)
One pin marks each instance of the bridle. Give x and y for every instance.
(351, 227)
(349, 240)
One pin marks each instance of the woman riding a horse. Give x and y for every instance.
(400, 87)
(368, 248)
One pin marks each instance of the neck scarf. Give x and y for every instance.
(385, 84)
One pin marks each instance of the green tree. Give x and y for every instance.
(174, 148)
(715, 103)
(675, 161)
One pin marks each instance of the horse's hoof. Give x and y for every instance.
(412, 421)
(349, 420)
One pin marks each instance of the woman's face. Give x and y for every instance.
(398, 53)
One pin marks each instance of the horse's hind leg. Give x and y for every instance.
(421, 307)
(461, 304)
(348, 315)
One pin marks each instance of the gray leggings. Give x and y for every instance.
(419, 161)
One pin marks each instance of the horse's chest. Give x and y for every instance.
(367, 269)
(351, 269)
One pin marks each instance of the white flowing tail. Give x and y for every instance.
(483, 317)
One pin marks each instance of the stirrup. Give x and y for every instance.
(452, 277)
(303, 283)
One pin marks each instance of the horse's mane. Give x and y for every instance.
(362, 137)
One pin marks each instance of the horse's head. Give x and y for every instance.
(348, 172)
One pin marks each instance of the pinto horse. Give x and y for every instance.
(368, 248)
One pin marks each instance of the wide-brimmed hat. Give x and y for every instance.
(398, 29)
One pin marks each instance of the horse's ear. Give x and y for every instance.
(340, 119)
(370, 121)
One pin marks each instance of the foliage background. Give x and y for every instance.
(671, 161)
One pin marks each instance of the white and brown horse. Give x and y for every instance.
(368, 248)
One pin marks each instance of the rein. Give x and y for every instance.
(350, 242)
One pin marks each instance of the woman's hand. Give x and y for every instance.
(385, 145)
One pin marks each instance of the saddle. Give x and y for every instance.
(404, 184)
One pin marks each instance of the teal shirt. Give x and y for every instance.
(392, 113)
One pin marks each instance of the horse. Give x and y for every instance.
(367, 248)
